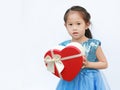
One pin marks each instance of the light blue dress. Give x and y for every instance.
(87, 79)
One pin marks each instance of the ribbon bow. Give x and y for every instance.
(56, 59)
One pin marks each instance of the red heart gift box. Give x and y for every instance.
(65, 61)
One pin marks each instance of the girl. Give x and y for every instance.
(77, 22)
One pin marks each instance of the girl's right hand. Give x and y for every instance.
(85, 62)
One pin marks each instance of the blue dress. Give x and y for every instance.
(87, 79)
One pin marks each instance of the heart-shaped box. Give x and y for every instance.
(65, 61)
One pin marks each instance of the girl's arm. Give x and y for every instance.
(102, 62)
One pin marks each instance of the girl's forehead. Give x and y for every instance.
(75, 13)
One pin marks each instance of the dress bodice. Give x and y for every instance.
(90, 47)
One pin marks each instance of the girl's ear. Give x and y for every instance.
(65, 25)
(87, 25)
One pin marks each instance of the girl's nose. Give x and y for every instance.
(74, 27)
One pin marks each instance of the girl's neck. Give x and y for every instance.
(81, 40)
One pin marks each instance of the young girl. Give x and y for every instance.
(77, 22)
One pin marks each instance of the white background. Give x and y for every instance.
(28, 28)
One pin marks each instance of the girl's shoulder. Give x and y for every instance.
(90, 41)
(64, 43)
(95, 41)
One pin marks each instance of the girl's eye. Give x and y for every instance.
(78, 23)
(70, 24)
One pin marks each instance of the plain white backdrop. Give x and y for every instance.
(28, 28)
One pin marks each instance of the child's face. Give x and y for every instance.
(76, 25)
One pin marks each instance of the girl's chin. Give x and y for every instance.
(76, 38)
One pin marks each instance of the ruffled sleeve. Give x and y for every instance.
(96, 44)
(91, 48)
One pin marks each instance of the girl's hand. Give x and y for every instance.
(85, 62)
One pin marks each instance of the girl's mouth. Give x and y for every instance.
(75, 32)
